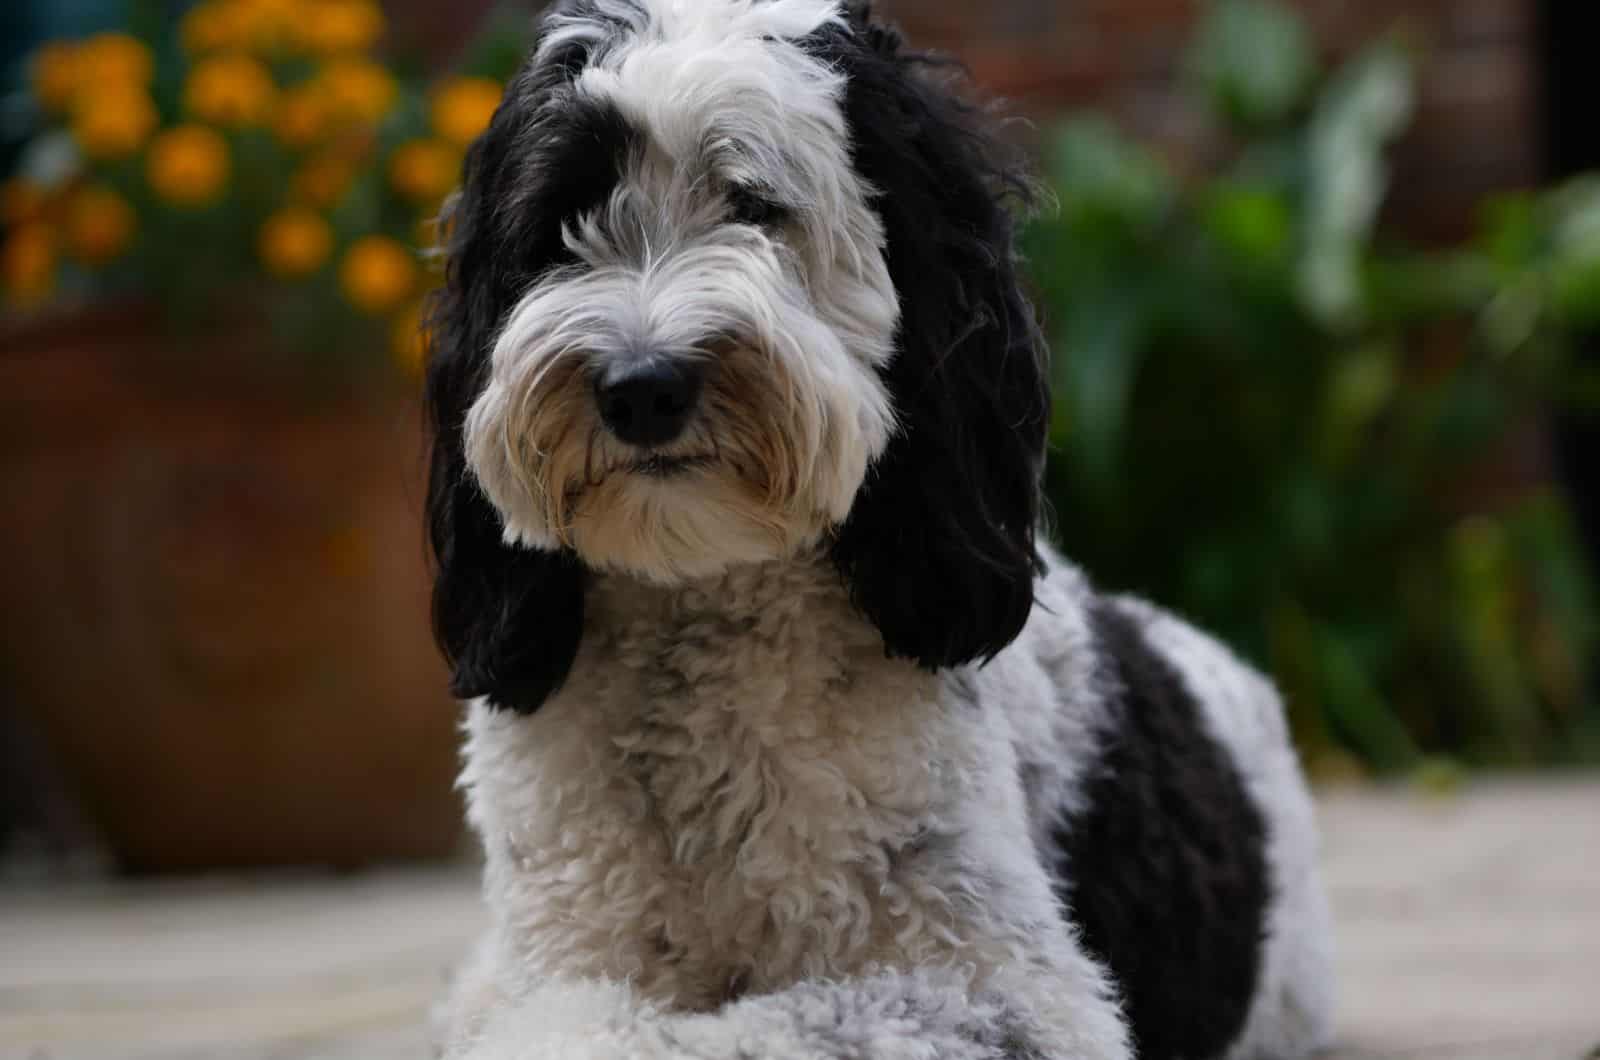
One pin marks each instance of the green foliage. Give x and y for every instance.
(1256, 60)
(1316, 444)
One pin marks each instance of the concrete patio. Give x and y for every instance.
(1469, 928)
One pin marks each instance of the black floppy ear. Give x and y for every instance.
(938, 549)
(508, 619)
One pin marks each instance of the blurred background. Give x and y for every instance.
(1321, 285)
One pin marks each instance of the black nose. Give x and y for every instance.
(648, 402)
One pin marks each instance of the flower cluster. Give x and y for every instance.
(278, 148)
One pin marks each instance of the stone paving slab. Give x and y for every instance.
(1469, 930)
(1469, 925)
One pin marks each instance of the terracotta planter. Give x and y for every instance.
(214, 600)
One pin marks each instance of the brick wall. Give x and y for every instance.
(1478, 122)
(1477, 128)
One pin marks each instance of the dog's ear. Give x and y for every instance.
(507, 618)
(938, 549)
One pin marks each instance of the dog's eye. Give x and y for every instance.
(751, 207)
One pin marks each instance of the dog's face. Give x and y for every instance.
(729, 280)
(690, 375)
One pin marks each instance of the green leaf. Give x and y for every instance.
(1098, 171)
(1254, 225)
(1575, 264)
(1357, 710)
(1255, 58)
(1361, 385)
(1505, 718)
(1364, 108)
(1095, 363)
(1511, 229)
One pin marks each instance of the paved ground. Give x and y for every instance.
(1470, 930)
(1468, 926)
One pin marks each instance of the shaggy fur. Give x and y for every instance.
(785, 738)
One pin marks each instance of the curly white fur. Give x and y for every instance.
(739, 820)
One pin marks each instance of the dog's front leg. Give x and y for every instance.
(558, 1019)
(928, 1015)
(885, 1017)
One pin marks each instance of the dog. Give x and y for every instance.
(787, 736)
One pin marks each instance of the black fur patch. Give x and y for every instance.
(1168, 875)
(938, 549)
(509, 620)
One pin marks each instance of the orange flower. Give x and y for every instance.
(378, 274)
(462, 108)
(20, 200)
(322, 181)
(357, 90)
(273, 24)
(188, 165)
(232, 90)
(424, 171)
(67, 72)
(302, 117)
(339, 26)
(100, 225)
(56, 79)
(28, 263)
(114, 123)
(114, 59)
(295, 242)
(213, 26)
(265, 25)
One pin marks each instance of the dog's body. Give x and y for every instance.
(736, 795)
(786, 740)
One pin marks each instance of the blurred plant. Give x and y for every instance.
(253, 159)
(1327, 449)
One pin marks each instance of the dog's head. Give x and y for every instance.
(729, 280)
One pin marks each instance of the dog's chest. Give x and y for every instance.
(726, 798)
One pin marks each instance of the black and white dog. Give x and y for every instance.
(786, 737)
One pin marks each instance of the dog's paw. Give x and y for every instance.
(587, 1020)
